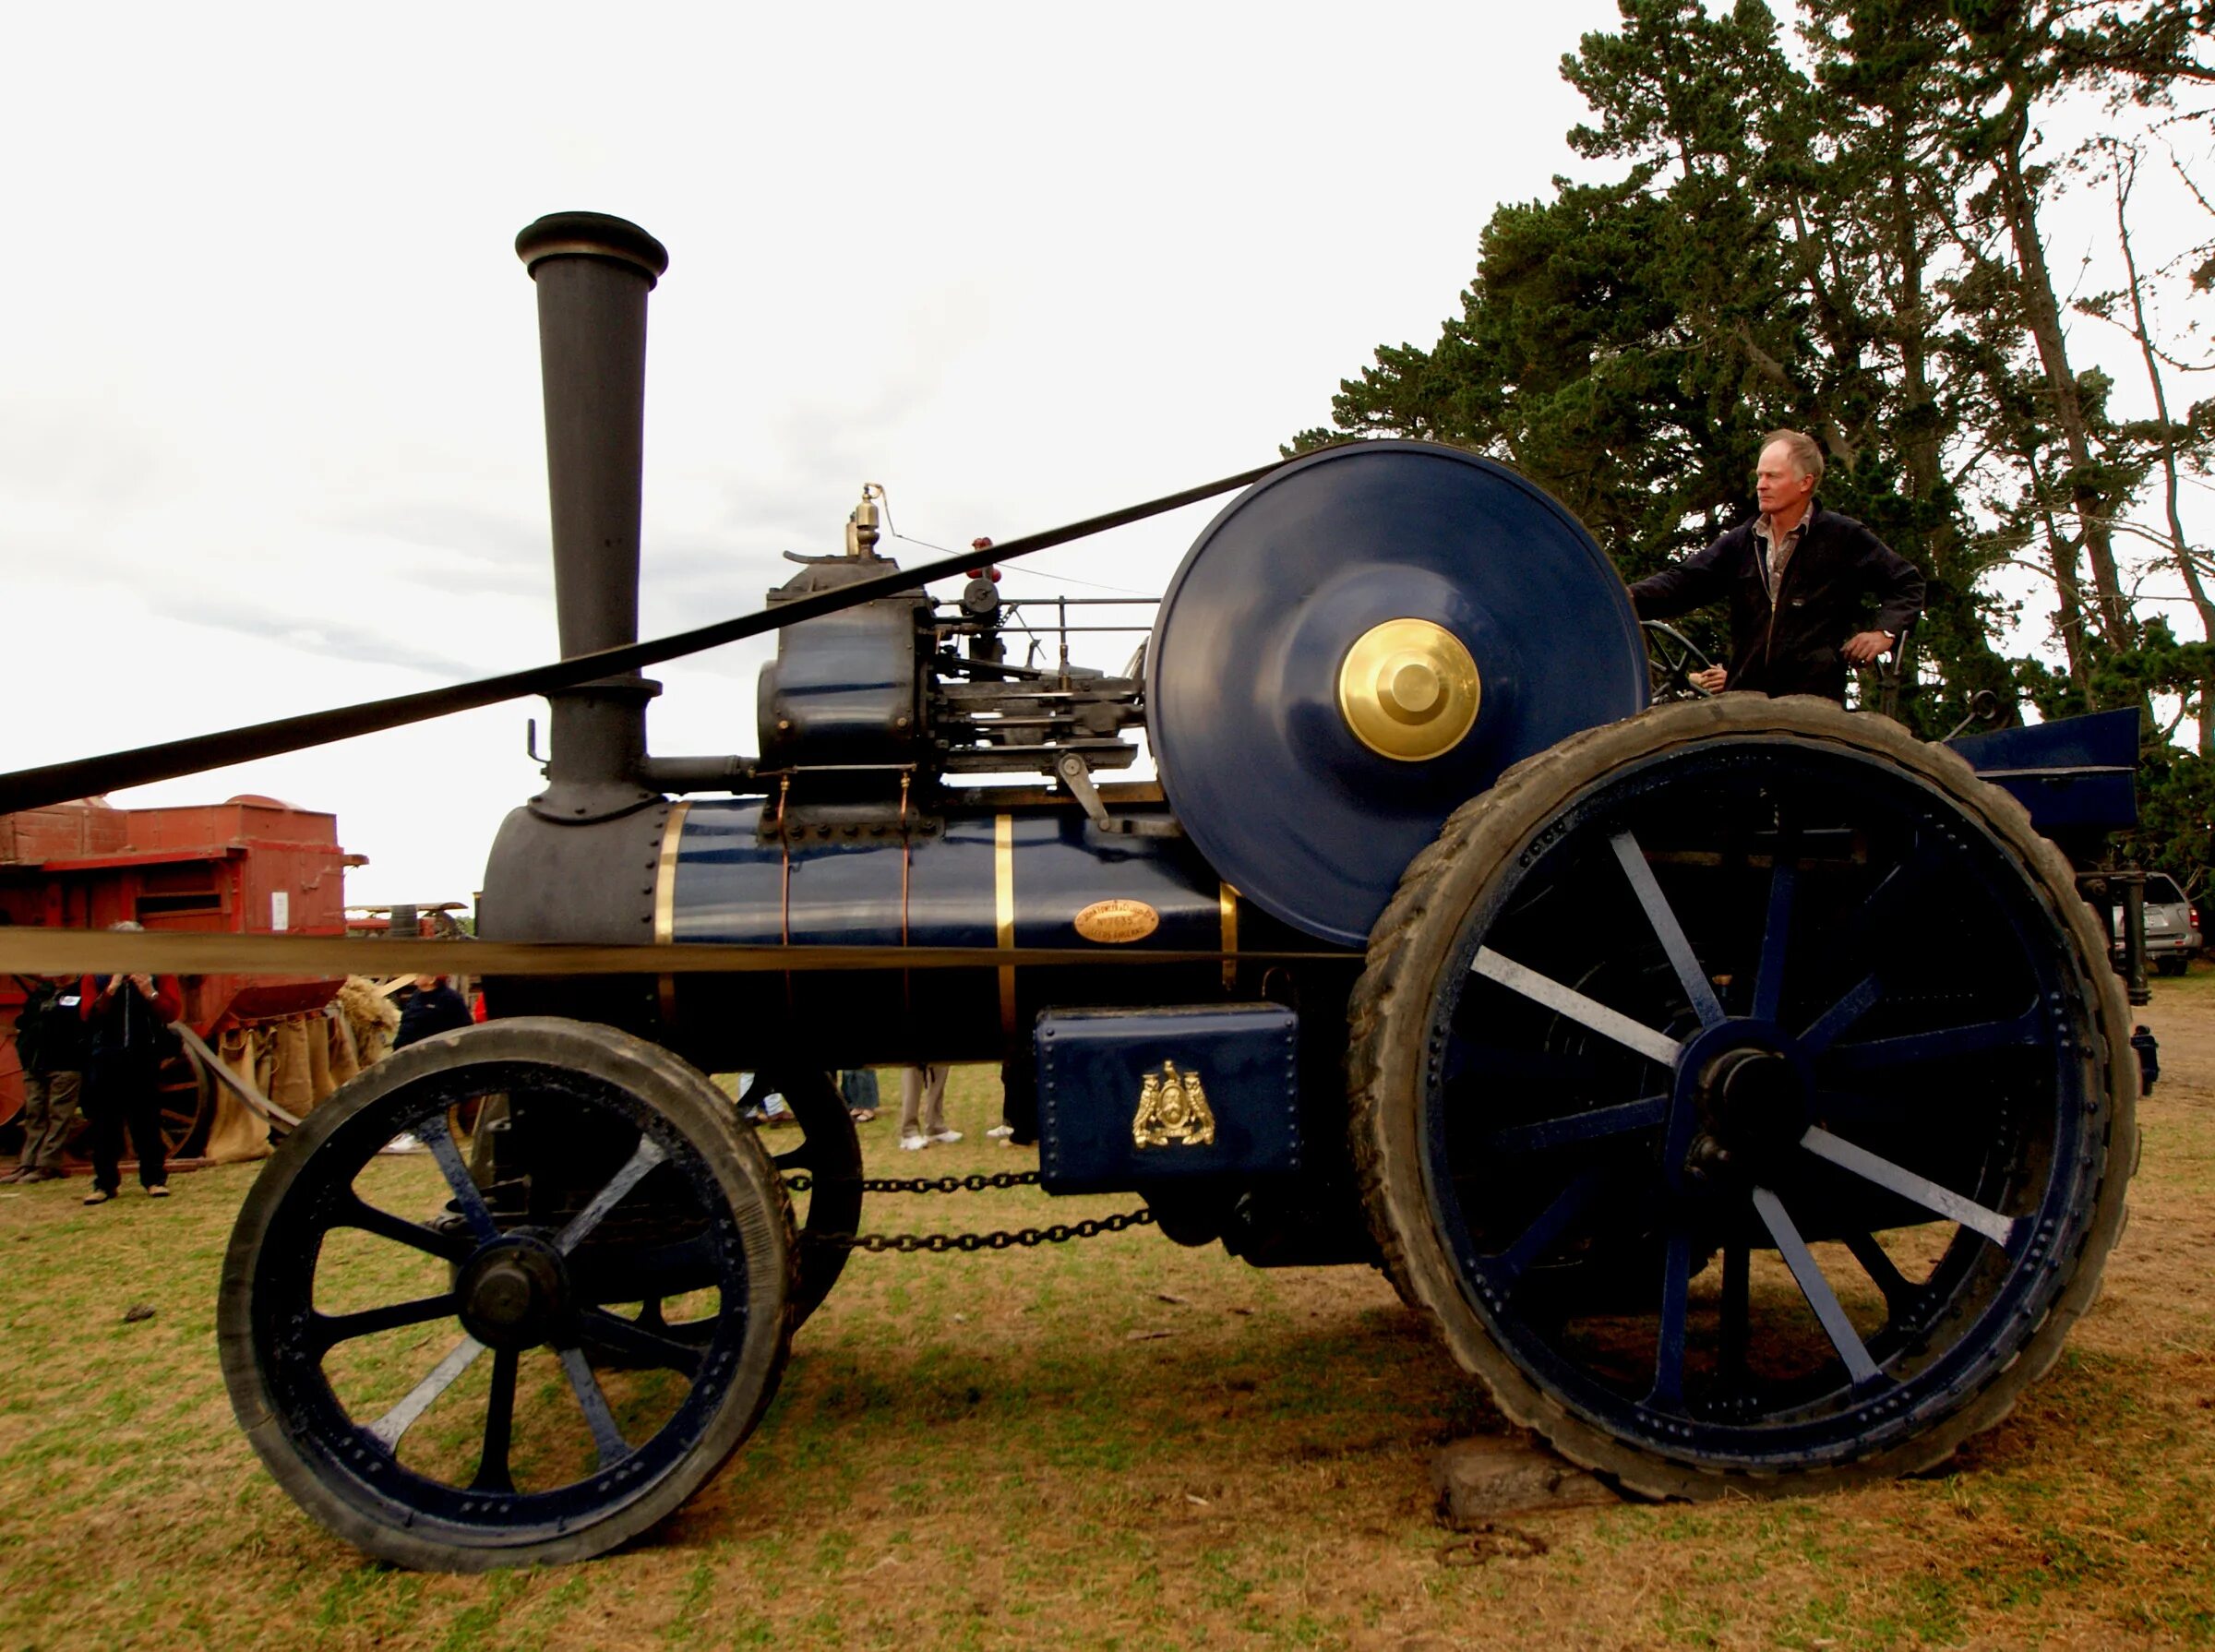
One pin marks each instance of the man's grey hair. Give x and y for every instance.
(131, 925)
(1807, 458)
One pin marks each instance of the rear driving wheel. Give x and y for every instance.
(1743, 1090)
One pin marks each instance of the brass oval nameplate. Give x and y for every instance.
(1116, 921)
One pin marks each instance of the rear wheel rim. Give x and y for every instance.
(1631, 1225)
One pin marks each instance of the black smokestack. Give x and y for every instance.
(594, 273)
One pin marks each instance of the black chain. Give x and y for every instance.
(800, 1181)
(1061, 1233)
(907, 1244)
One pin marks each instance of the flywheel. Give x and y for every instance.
(1359, 644)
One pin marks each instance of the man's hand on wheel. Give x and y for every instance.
(1864, 646)
(1709, 681)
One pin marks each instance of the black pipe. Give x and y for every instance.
(594, 273)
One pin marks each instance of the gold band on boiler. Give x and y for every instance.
(1409, 690)
(1228, 897)
(665, 898)
(1003, 912)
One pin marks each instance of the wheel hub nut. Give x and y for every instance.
(511, 1293)
(1755, 1103)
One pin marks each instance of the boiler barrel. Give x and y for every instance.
(1023, 879)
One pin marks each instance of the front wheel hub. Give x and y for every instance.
(513, 1292)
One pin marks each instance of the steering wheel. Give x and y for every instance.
(1670, 659)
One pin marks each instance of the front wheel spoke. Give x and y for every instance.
(1511, 1263)
(356, 1213)
(1776, 934)
(1913, 1048)
(330, 1329)
(607, 1438)
(1858, 1001)
(387, 1430)
(1585, 1011)
(1814, 1287)
(644, 1338)
(1698, 990)
(469, 1199)
(1899, 1179)
(1669, 1344)
(1572, 1128)
(647, 1154)
(499, 1426)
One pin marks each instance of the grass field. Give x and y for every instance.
(1114, 1443)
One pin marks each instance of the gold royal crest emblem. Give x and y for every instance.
(1172, 1107)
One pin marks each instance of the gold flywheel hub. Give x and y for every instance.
(1409, 690)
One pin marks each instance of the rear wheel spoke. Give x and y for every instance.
(1668, 1350)
(1552, 1223)
(1858, 1001)
(1593, 1125)
(1915, 1048)
(1734, 1315)
(1899, 1179)
(1899, 1295)
(1808, 1274)
(1585, 1011)
(1698, 990)
(1776, 934)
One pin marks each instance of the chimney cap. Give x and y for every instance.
(592, 235)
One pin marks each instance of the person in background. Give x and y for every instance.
(431, 1007)
(50, 1042)
(127, 1020)
(922, 1108)
(858, 1086)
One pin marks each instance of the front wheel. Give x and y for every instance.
(530, 1363)
(1676, 1110)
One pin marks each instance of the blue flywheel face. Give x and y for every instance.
(1358, 645)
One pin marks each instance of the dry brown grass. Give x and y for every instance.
(1118, 1444)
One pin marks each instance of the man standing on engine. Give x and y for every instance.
(1795, 577)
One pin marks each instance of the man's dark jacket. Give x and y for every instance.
(50, 1034)
(428, 1012)
(1794, 650)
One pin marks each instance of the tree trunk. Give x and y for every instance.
(2043, 315)
(2179, 546)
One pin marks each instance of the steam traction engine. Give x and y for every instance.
(1741, 1088)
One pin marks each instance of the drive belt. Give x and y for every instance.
(30, 950)
(85, 777)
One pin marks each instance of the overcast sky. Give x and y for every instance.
(269, 422)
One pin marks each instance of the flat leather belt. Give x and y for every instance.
(39, 951)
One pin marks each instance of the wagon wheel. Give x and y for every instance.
(829, 1153)
(361, 1294)
(1670, 659)
(185, 1090)
(1743, 1089)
